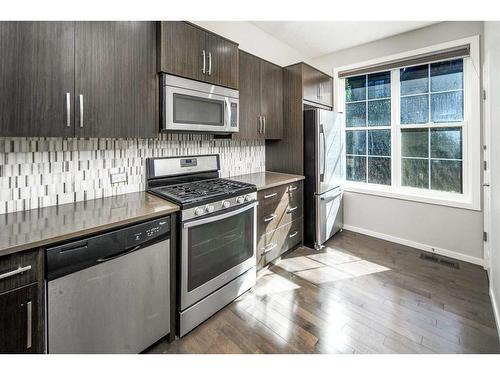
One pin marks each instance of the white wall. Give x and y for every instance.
(450, 231)
(492, 59)
(255, 41)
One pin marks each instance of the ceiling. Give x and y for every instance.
(317, 38)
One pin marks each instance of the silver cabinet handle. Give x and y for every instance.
(293, 234)
(29, 324)
(269, 247)
(270, 218)
(15, 272)
(292, 188)
(80, 97)
(270, 195)
(203, 54)
(264, 129)
(290, 210)
(210, 63)
(68, 109)
(260, 125)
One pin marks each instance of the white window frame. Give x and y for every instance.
(471, 133)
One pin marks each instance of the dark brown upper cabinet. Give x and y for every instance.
(261, 99)
(189, 51)
(36, 79)
(318, 86)
(115, 79)
(53, 75)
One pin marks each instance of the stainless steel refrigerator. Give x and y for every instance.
(324, 172)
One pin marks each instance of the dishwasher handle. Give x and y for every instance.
(119, 254)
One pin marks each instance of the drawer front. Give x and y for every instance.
(276, 194)
(273, 216)
(273, 244)
(18, 269)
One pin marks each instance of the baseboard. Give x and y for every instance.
(417, 245)
(495, 310)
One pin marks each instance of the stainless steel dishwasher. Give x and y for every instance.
(110, 293)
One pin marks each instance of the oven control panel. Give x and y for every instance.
(209, 208)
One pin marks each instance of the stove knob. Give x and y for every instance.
(198, 211)
(226, 204)
(209, 208)
(240, 200)
(248, 198)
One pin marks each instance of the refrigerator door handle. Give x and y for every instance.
(322, 131)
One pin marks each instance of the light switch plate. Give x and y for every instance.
(116, 178)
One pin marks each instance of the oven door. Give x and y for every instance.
(216, 250)
(192, 110)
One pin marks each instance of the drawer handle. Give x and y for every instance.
(270, 195)
(293, 234)
(290, 210)
(15, 272)
(269, 247)
(292, 188)
(270, 218)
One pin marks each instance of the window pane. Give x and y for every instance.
(415, 142)
(447, 106)
(379, 112)
(356, 142)
(355, 89)
(379, 85)
(356, 168)
(415, 109)
(447, 75)
(379, 142)
(446, 143)
(414, 80)
(355, 114)
(415, 173)
(379, 170)
(446, 175)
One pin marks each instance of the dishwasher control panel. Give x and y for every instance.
(148, 231)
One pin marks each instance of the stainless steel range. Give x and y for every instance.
(217, 233)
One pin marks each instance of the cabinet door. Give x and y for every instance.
(326, 90)
(222, 62)
(272, 99)
(115, 79)
(20, 330)
(249, 73)
(310, 79)
(181, 48)
(36, 73)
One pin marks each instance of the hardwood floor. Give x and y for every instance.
(358, 295)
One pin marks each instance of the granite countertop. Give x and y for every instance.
(40, 227)
(266, 180)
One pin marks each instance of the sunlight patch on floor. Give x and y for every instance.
(329, 266)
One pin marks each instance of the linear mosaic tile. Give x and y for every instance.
(41, 172)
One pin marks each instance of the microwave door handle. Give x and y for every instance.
(211, 219)
(227, 112)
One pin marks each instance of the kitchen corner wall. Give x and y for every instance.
(41, 172)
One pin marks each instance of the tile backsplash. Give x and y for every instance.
(41, 172)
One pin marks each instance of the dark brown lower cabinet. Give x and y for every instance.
(20, 324)
(279, 221)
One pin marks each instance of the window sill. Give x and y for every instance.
(439, 199)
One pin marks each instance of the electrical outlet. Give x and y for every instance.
(116, 178)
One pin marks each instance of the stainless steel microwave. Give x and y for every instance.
(192, 106)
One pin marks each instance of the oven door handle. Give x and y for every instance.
(211, 219)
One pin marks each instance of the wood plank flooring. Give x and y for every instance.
(358, 295)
